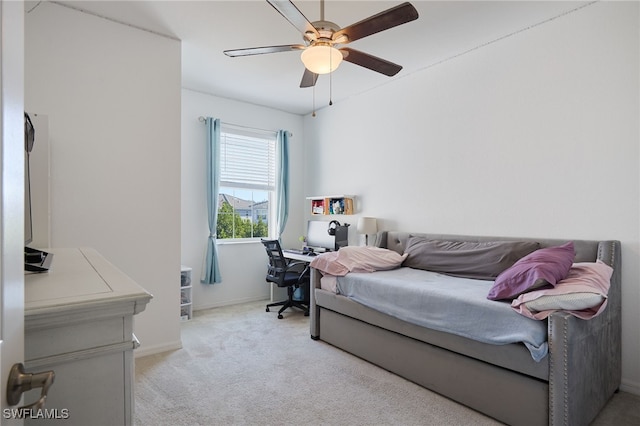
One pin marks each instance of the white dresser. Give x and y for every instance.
(79, 323)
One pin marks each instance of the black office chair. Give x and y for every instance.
(285, 273)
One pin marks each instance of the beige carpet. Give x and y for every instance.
(242, 366)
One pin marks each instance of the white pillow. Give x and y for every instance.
(569, 302)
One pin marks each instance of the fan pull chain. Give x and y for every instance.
(330, 80)
(313, 114)
(330, 90)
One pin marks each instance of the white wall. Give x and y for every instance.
(243, 265)
(112, 94)
(535, 135)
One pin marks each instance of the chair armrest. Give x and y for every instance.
(304, 275)
(293, 265)
(302, 268)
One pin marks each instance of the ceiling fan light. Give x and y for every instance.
(321, 59)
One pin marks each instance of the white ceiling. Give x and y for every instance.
(443, 30)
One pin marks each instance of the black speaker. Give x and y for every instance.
(342, 236)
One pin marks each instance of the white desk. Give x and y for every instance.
(298, 256)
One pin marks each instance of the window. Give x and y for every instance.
(247, 184)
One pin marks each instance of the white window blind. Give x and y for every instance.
(247, 161)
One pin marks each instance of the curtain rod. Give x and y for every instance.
(203, 119)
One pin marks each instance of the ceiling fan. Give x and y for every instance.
(322, 51)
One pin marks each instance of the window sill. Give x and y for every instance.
(226, 242)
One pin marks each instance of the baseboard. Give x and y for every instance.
(146, 350)
(630, 387)
(230, 302)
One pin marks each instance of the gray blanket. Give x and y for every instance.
(445, 303)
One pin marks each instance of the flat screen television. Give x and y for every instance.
(28, 220)
(34, 260)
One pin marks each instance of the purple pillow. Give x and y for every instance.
(538, 269)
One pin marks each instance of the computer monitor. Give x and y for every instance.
(318, 237)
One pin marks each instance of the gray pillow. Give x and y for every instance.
(468, 259)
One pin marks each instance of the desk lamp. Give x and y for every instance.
(366, 226)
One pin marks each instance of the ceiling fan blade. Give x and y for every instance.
(390, 18)
(263, 50)
(371, 62)
(292, 14)
(308, 79)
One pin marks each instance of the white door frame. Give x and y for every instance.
(11, 195)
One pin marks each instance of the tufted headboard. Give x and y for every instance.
(586, 250)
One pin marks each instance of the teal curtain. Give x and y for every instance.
(211, 269)
(282, 188)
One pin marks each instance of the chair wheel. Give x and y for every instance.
(280, 316)
(267, 309)
(306, 313)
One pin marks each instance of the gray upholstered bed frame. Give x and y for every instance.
(568, 387)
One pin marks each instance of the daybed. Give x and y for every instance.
(568, 386)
